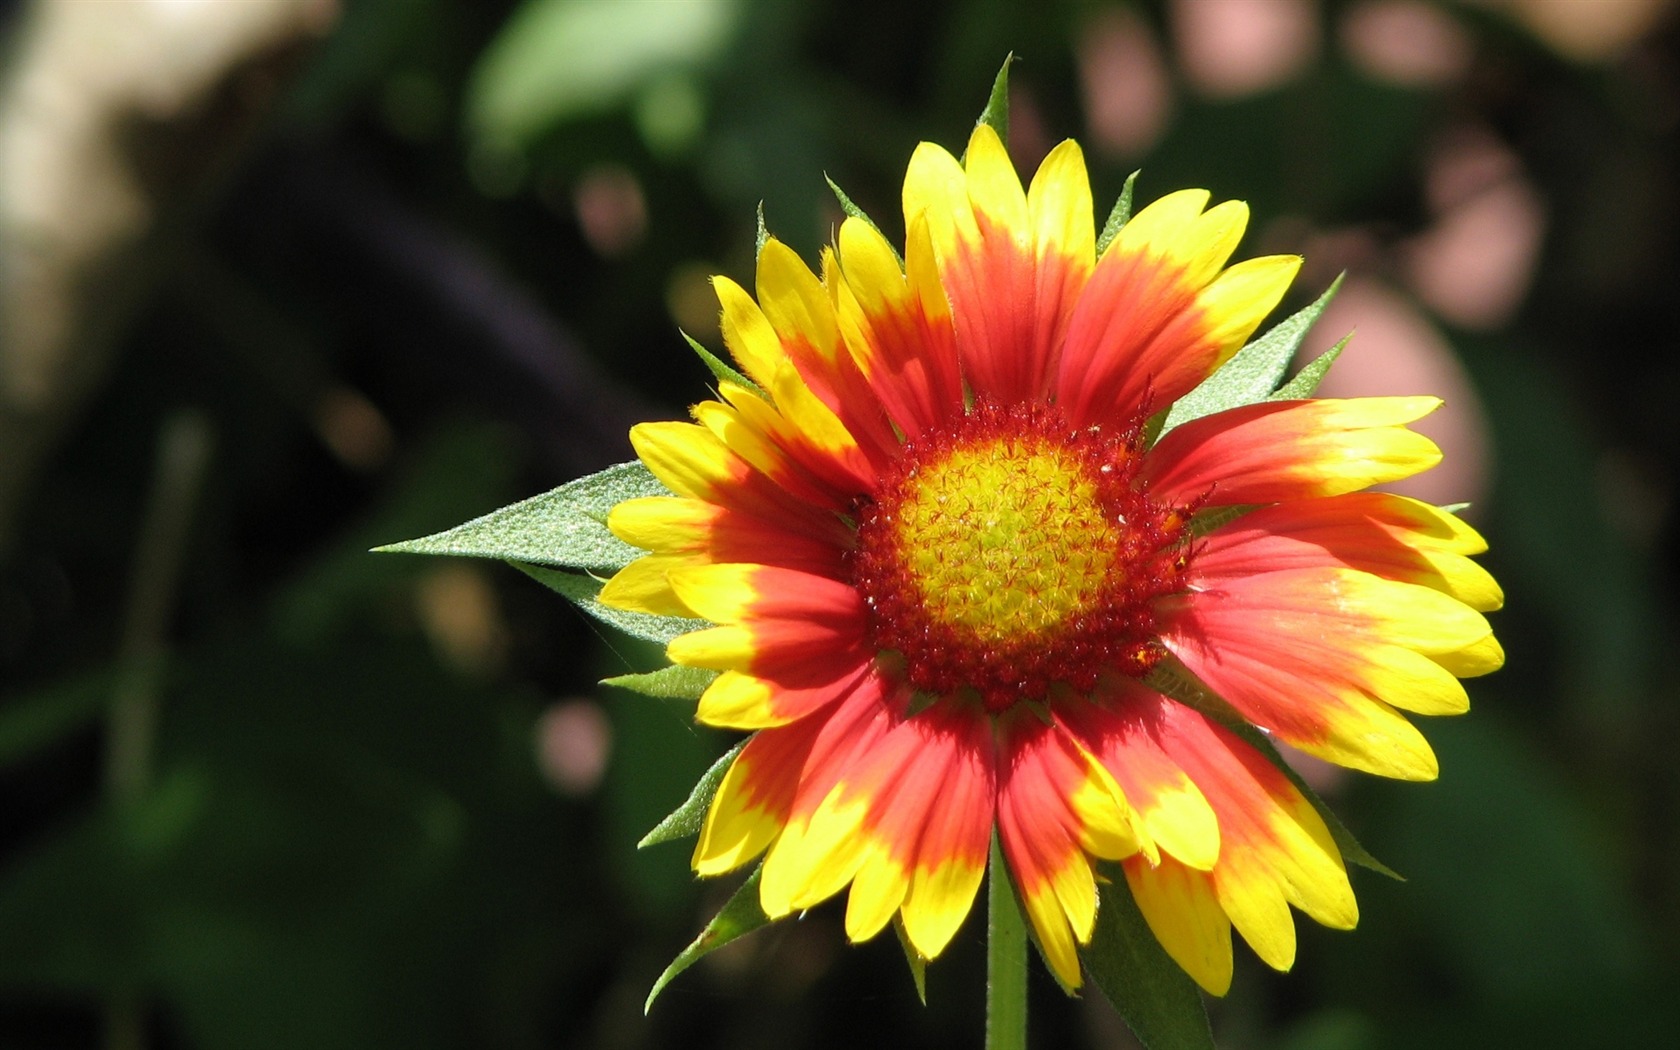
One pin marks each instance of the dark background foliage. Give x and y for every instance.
(386, 804)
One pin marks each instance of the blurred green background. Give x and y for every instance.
(287, 279)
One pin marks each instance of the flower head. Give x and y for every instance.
(958, 588)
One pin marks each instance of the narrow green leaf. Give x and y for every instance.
(668, 683)
(740, 916)
(1158, 999)
(762, 234)
(686, 819)
(1254, 372)
(1307, 379)
(564, 527)
(582, 590)
(1455, 508)
(1178, 683)
(1119, 216)
(855, 212)
(912, 958)
(721, 368)
(996, 113)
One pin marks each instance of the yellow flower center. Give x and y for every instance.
(1006, 539)
(1006, 553)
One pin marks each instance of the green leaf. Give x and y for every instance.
(555, 60)
(582, 591)
(1254, 372)
(740, 916)
(1177, 682)
(996, 113)
(564, 527)
(1307, 379)
(912, 958)
(1156, 997)
(668, 683)
(761, 234)
(855, 212)
(1119, 217)
(687, 818)
(721, 368)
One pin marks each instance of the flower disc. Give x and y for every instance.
(1009, 551)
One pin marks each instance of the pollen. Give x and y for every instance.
(1008, 552)
(1006, 539)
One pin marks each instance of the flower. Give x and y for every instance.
(957, 590)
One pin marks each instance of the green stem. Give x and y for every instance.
(1006, 961)
(183, 455)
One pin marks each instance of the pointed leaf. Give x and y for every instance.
(1254, 372)
(563, 527)
(1178, 683)
(582, 591)
(762, 234)
(1119, 217)
(668, 683)
(912, 958)
(1158, 999)
(1307, 379)
(740, 916)
(855, 212)
(996, 112)
(721, 368)
(687, 818)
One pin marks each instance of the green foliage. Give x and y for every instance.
(720, 368)
(556, 60)
(675, 682)
(739, 917)
(853, 211)
(996, 113)
(563, 527)
(1305, 382)
(913, 960)
(1118, 216)
(1253, 372)
(1128, 965)
(686, 819)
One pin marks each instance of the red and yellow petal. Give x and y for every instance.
(1317, 656)
(1383, 534)
(674, 525)
(907, 824)
(1158, 315)
(780, 624)
(1057, 807)
(1011, 264)
(769, 785)
(1289, 450)
(897, 325)
(1122, 730)
(691, 461)
(1276, 850)
(736, 700)
(801, 311)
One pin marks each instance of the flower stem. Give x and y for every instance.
(1006, 961)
